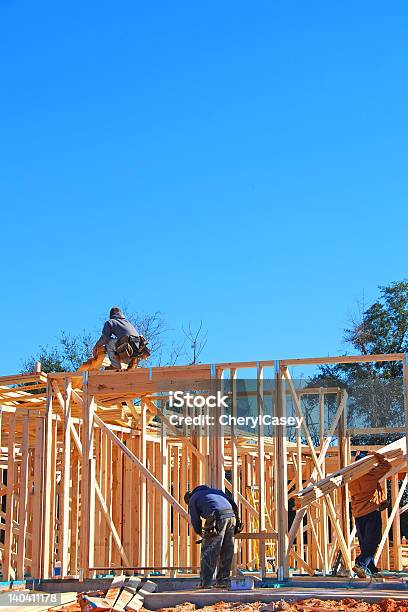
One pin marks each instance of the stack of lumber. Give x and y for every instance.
(316, 490)
(122, 595)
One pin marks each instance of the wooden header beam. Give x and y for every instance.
(344, 359)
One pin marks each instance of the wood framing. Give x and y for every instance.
(95, 467)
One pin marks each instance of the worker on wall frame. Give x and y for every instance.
(221, 524)
(120, 339)
(367, 503)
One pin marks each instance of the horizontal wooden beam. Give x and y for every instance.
(133, 383)
(359, 431)
(344, 359)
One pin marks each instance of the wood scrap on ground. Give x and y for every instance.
(127, 594)
(113, 592)
(136, 602)
(121, 596)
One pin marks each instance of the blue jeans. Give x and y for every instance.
(217, 552)
(369, 531)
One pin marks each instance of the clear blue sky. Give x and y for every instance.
(241, 163)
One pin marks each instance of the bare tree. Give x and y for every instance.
(197, 340)
(152, 327)
(176, 351)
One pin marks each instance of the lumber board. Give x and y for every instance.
(94, 363)
(8, 541)
(136, 602)
(143, 381)
(345, 359)
(23, 501)
(341, 477)
(112, 594)
(127, 594)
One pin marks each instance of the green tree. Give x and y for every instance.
(67, 355)
(375, 388)
(383, 329)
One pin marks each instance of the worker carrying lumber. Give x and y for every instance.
(367, 503)
(122, 342)
(221, 524)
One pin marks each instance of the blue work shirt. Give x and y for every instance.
(204, 501)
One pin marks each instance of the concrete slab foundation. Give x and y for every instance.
(175, 591)
(154, 601)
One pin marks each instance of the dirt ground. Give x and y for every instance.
(304, 605)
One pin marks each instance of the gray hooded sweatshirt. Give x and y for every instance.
(116, 327)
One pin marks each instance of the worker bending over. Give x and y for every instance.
(120, 339)
(367, 503)
(221, 524)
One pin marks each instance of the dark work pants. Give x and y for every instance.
(217, 552)
(369, 530)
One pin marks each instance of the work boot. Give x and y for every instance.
(361, 571)
(220, 585)
(374, 570)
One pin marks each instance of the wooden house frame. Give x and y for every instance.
(93, 480)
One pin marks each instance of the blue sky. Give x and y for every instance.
(240, 163)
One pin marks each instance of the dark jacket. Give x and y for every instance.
(116, 327)
(204, 501)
